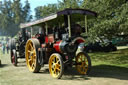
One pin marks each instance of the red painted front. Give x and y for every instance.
(57, 46)
(46, 39)
(80, 41)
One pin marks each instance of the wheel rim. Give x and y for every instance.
(30, 55)
(54, 66)
(13, 58)
(82, 63)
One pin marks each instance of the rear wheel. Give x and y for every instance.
(83, 63)
(56, 66)
(31, 55)
(14, 57)
(12, 44)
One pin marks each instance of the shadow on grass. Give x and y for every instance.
(98, 71)
(21, 65)
(72, 74)
(44, 71)
(102, 71)
(69, 74)
(109, 71)
(3, 65)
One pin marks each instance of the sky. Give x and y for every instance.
(35, 3)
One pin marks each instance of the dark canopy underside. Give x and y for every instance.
(60, 13)
(77, 11)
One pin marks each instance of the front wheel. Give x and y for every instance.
(83, 63)
(56, 66)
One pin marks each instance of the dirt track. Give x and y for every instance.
(100, 75)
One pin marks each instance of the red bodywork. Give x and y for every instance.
(80, 41)
(46, 39)
(57, 46)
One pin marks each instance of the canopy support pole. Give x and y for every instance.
(31, 31)
(86, 27)
(46, 28)
(69, 26)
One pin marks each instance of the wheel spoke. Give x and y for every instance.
(83, 57)
(58, 69)
(53, 63)
(33, 65)
(30, 62)
(33, 50)
(54, 71)
(29, 51)
(85, 65)
(30, 45)
(79, 66)
(56, 65)
(80, 58)
(82, 64)
(58, 62)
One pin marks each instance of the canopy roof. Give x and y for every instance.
(53, 16)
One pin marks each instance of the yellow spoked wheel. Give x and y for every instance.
(31, 55)
(56, 66)
(83, 63)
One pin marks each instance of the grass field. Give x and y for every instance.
(116, 58)
(107, 69)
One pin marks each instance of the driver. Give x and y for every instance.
(76, 30)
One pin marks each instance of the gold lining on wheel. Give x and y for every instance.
(30, 55)
(82, 63)
(54, 66)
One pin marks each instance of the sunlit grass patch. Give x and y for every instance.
(119, 57)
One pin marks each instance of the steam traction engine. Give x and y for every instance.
(59, 43)
(17, 46)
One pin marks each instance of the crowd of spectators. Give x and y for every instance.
(4, 44)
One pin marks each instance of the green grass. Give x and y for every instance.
(0, 53)
(107, 69)
(117, 58)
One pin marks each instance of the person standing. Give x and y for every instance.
(7, 47)
(3, 48)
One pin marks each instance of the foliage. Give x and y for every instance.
(12, 13)
(112, 17)
(111, 20)
(69, 4)
(119, 57)
(45, 10)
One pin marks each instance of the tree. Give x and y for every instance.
(110, 18)
(12, 13)
(26, 12)
(69, 4)
(45, 10)
(5, 8)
